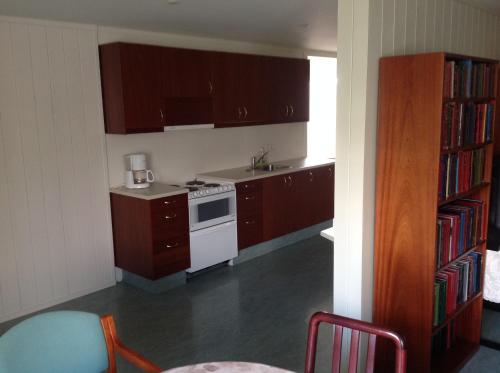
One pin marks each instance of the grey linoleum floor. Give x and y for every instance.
(255, 311)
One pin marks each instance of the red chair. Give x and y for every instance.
(356, 327)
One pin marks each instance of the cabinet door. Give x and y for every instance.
(188, 87)
(239, 89)
(187, 73)
(141, 69)
(288, 80)
(275, 205)
(326, 187)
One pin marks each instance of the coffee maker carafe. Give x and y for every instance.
(137, 175)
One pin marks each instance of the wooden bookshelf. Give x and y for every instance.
(409, 153)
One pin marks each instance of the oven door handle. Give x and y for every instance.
(215, 228)
(215, 197)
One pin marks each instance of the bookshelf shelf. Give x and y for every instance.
(467, 147)
(457, 312)
(455, 359)
(415, 121)
(468, 99)
(465, 194)
(476, 247)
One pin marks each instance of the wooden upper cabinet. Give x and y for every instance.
(239, 89)
(132, 87)
(188, 87)
(148, 87)
(288, 86)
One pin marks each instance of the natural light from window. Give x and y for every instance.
(322, 107)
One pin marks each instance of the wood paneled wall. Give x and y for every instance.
(55, 230)
(368, 30)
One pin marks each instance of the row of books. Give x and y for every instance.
(460, 171)
(468, 79)
(459, 228)
(456, 284)
(466, 124)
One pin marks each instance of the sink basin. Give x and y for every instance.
(271, 167)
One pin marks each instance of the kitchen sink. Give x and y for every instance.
(271, 167)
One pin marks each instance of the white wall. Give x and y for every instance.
(55, 232)
(369, 29)
(178, 156)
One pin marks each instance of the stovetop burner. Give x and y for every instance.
(192, 189)
(211, 185)
(195, 182)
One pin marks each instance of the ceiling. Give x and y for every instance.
(309, 24)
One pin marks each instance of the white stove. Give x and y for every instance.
(212, 223)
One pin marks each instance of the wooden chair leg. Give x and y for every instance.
(118, 347)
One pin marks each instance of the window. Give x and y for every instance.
(322, 107)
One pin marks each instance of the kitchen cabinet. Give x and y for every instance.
(296, 200)
(249, 212)
(288, 80)
(146, 88)
(239, 89)
(131, 88)
(151, 237)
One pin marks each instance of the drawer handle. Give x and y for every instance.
(248, 198)
(169, 246)
(248, 222)
(170, 217)
(247, 186)
(169, 202)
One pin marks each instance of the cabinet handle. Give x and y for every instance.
(246, 111)
(169, 202)
(290, 178)
(284, 178)
(246, 186)
(291, 109)
(287, 110)
(169, 246)
(311, 176)
(248, 198)
(249, 222)
(170, 217)
(161, 115)
(210, 87)
(239, 112)
(330, 172)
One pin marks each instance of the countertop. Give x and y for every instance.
(329, 233)
(155, 190)
(240, 174)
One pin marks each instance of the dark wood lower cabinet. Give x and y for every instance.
(249, 212)
(151, 237)
(277, 205)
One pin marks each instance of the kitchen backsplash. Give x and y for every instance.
(179, 155)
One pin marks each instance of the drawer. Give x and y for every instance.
(249, 231)
(170, 223)
(249, 186)
(161, 205)
(171, 255)
(249, 203)
(169, 249)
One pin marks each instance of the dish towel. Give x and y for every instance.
(492, 277)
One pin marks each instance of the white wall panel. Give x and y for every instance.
(55, 230)
(446, 25)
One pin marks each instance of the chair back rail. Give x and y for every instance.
(357, 327)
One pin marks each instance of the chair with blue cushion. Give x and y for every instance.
(63, 342)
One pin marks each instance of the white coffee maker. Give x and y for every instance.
(137, 175)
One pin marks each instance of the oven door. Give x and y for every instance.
(208, 211)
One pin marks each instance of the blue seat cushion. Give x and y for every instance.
(53, 342)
